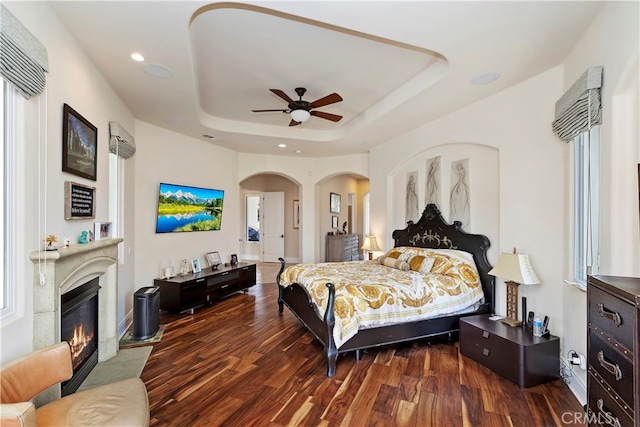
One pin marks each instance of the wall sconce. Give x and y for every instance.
(370, 245)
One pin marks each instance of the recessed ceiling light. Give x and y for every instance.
(282, 145)
(485, 79)
(157, 70)
(137, 57)
(298, 151)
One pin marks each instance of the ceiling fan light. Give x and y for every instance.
(300, 116)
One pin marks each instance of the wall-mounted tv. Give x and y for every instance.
(183, 208)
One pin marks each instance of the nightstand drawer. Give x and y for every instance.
(494, 358)
(489, 341)
(615, 369)
(612, 315)
(605, 409)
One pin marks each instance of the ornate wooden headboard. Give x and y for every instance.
(432, 231)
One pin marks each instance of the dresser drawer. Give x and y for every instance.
(613, 316)
(604, 409)
(615, 369)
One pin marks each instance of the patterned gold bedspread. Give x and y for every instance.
(369, 294)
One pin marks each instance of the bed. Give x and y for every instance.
(321, 312)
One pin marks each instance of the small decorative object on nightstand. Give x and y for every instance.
(516, 269)
(370, 245)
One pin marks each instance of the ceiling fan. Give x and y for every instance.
(300, 110)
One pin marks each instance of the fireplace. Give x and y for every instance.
(57, 273)
(79, 328)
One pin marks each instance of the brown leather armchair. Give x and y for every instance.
(123, 403)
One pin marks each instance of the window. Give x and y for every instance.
(252, 208)
(8, 109)
(116, 199)
(3, 248)
(587, 202)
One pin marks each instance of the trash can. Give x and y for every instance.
(146, 313)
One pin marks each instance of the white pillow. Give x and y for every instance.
(396, 263)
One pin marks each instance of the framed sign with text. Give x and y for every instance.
(79, 201)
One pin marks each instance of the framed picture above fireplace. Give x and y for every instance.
(79, 144)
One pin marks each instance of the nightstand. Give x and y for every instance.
(512, 352)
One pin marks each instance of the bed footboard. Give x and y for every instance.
(296, 298)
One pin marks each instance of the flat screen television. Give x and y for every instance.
(183, 208)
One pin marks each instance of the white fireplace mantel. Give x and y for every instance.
(58, 272)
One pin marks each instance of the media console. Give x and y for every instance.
(186, 293)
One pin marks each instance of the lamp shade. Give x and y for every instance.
(516, 268)
(300, 116)
(370, 244)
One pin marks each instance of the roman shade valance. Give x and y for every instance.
(121, 143)
(23, 59)
(579, 109)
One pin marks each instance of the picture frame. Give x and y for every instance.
(334, 202)
(296, 214)
(101, 230)
(334, 222)
(195, 266)
(234, 259)
(79, 201)
(213, 258)
(79, 144)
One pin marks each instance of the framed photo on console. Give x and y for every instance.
(213, 258)
(195, 266)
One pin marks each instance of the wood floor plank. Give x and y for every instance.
(241, 363)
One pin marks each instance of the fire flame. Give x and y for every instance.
(79, 342)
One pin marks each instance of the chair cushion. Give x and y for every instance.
(123, 403)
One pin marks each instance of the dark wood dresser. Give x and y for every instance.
(613, 384)
(512, 352)
(186, 293)
(342, 247)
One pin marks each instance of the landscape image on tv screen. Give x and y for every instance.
(183, 208)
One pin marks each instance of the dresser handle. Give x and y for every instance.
(485, 334)
(609, 418)
(610, 367)
(614, 317)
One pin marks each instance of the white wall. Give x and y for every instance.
(611, 41)
(167, 157)
(516, 165)
(72, 79)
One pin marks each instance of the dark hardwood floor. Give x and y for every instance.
(240, 363)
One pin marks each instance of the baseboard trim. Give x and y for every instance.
(125, 324)
(576, 385)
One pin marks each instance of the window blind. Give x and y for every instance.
(579, 109)
(23, 59)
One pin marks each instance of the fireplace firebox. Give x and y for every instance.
(79, 328)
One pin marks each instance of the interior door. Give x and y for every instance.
(272, 224)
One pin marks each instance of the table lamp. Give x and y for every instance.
(370, 245)
(516, 270)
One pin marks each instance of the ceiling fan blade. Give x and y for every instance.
(327, 116)
(293, 123)
(282, 95)
(264, 111)
(329, 99)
